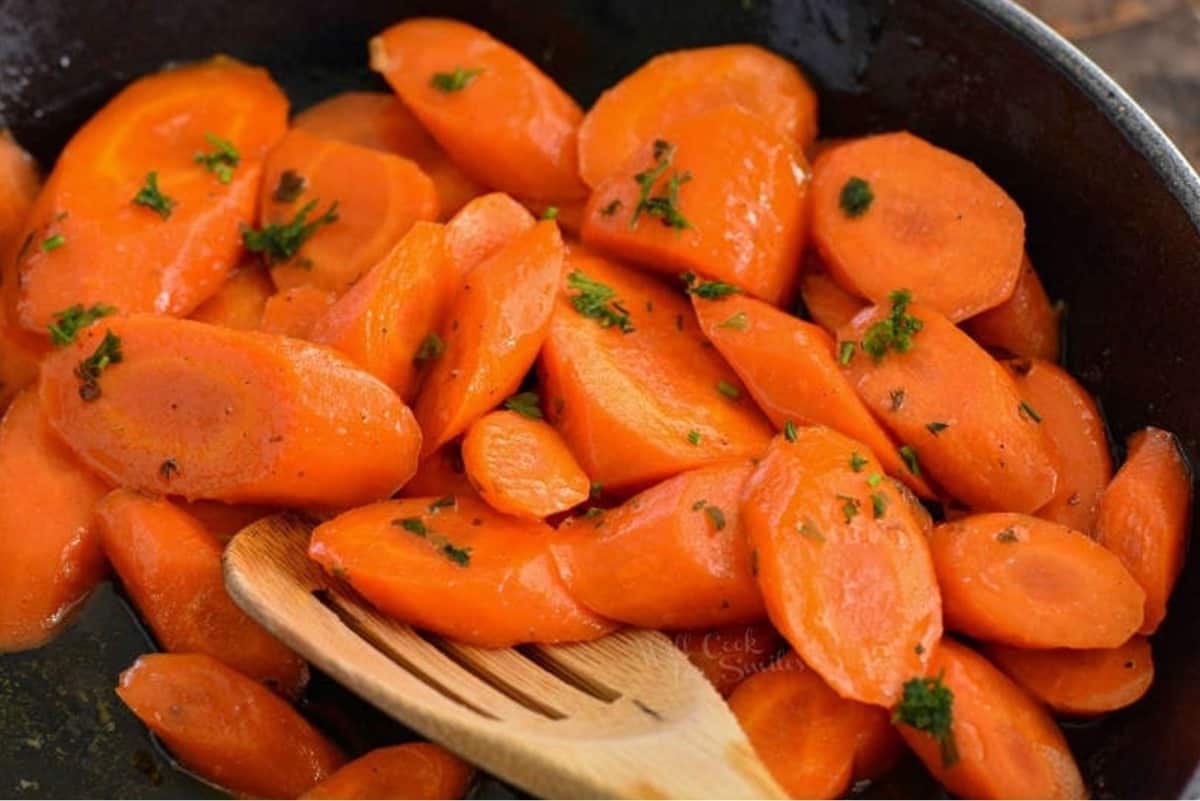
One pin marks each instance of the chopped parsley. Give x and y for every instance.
(1028, 411)
(709, 290)
(789, 430)
(928, 705)
(598, 302)
(414, 525)
(551, 213)
(856, 197)
(857, 461)
(879, 504)
(896, 331)
(1007, 535)
(153, 199)
(845, 352)
(280, 242)
(716, 516)
(88, 371)
(909, 455)
(611, 208)
(53, 242)
(738, 322)
(698, 505)
(664, 206)
(431, 347)
(874, 480)
(290, 186)
(221, 160)
(444, 502)
(526, 404)
(728, 390)
(809, 529)
(68, 322)
(897, 398)
(849, 506)
(693, 437)
(936, 428)
(456, 81)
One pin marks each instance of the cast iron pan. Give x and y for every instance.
(1113, 215)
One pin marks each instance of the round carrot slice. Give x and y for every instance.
(411, 770)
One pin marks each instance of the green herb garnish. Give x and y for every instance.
(845, 353)
(221, 160)
(857, 461)
(693, 437)
(68, 322)
(856, 197)
(526, 404)
(290, 187)
(709, 290)
(716, 516)
(1007, 535)
(551, 213)
(928, 705)
(88, 371)
(728, 390)
(874, 480)
(849, 506)
(150, 197)
(664, 206)
(936, 428)
(444, 502)
(909, 455)
(789, 430)
(431, 347)
(896, 331)
(1028, 411)
(809, 529)
(897, 398)
(456, 81)
(879, 504)
(738, 322)
(280, 242)
(598, 302)
(53, 242)
(611, 208)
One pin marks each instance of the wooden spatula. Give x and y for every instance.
(626, 716)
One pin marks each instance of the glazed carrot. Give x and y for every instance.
(1145, 515)
(522, 467)
(1026, 324)
(19, 359)
(142, 209)
(1075, 427)
(50, 556)
(227, 728)
(387, 322)
(640, 406)
(482, 228)
(567, 213)
(412, 770)
(224, 520)
(1024, 581)
(495, 326)
(171, 569)
(439, 474)
(957, 411)
(240, 301)
(893, 211)
(842, 563)
(728, 655)
(829, 306)
(305, 239)
(455, 567)
(806, 734)
(381, 121)
(672, 557)
(296, 312)
(789, 368)
(174, 406)
(673, 86)
(454, 77)
(1005, 743)
(729, 207)
(1081, 683)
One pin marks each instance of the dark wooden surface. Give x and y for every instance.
(1151, 47)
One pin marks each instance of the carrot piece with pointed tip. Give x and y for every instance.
(1027, 324)
(729, 654)
(452, 76)
(296, 312)
(688, 525)
(842, 563)
(50, 556)
(378, 197)
(198, 134)
(205, 412)
(1080, 682)
(789, 368)
(226, 727)
(411, 770)
(390, 317)
(381, 121)
(522, 467)
(893, 210)
(240, 301)
(1074, 425)
(728, 207)
(456, 567)
(439, 474)
(830, 306)
(482, 228)
(1145, 516)
(494, 329)
(1031, 583)
(1006, 745)
(956, 409)
(683, 83)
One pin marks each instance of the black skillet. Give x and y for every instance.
(1113, 216)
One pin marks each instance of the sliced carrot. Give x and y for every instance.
(729, 654)
(807, 735)
(227, 728)
(387, 322)
(19, 185)
(829, 306)
(788, 367)
(1028, 582)
(842, 563)
(381, 121)
(482, 228)
(171, 569)
(439, 474)
(224, 520)
(205, 412)
(729, 207)
(495, 327)
(455, 567)
(1074, 682)
(567, 213)
(240, 301)
(1026, 324)
(50, 557)
(894, 211)
(1007, 746)
(684, 83)
(379, 196)
(1073, 423)
(639, 407)
(672, 557)
(960, 414)
(522, 467)
(91, 242)
(1145, 516)
(296, 312)
(411, 770)
(454, 77)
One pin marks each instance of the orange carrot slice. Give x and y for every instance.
(296, 312)
(1026, 324)
(482, 228)
(1024, 581)
(439, 474)
(894, 211)
(455, 567)
(411, 770)
(240, 301)
(729, 654)
(829, 306)
(224, 520)
(19, 185)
